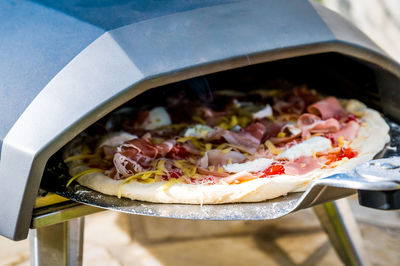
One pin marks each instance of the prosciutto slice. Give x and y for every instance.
(211, 173)
(291, 133)
(327, 108)
(348, 132)
(242, 140)
(141, 146)
(125, 166)
(217, 157)
(284, 139)
(271, 129)
(307, 120)
(128, 162)
(256, 129)
(327, 126)
(137, 155)
(302, 165)
(190, 148)
(165, 147)
(314, 124)
(210, 116)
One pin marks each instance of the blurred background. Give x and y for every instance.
(118, 239)
(380, 20)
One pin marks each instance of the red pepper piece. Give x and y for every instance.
(276, 169)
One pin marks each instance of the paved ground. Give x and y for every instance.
(118, 239)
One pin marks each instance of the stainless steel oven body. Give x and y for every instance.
(67, 64)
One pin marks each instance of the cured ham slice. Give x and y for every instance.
(307, 124)
(271, 129)
(125, 166)
(139, 158)
(217, 157)
(137, 155)
(210, 116)
(242, 140)
(327, 126)
(142, 146)
(291, 133)
(204, 171)
(314, 124)
(128, 162)
(190, 148)
(327, 108)
(257, 130)
(165, 147)
(348, 132)
(307, 120)
(302, 165)
(284, 139)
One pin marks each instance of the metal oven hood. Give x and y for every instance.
(65, 64)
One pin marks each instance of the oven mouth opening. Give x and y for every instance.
(330, 74)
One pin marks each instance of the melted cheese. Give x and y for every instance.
(158, 117)
(265, 112)
(116, 139)
(250, 166)
(272, 147)
(306, 148)
(198, 131)
(292, 130)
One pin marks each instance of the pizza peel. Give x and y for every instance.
(380, 174)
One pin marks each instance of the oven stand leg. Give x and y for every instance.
(338, 222)
(58, 244)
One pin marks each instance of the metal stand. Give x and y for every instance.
(62, 243)
(339, 223)
(58, 244)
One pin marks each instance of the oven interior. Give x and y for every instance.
(330, 74)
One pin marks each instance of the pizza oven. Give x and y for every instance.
(67, 64)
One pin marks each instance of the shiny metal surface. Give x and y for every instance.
(170, 48)
(59, 213)
(242, 211)
(58, 244)
(338, 222)
(381, 170)
(322, 190)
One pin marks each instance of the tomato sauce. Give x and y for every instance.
(276, 169)
(173, 173)
(348, 153)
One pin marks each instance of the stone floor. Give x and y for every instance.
(113, 238)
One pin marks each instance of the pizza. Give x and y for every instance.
(234, 147)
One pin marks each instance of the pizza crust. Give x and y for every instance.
(372, 137)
